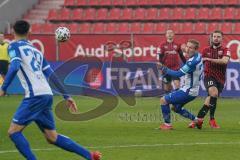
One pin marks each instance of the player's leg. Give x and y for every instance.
(213, 92)
(167, 86)
(184, 112)
(21, 143)
(46, 123)
(205, 108)
(165, 108)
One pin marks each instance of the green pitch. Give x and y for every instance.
(129, 133)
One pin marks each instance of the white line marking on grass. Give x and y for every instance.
(136, 146)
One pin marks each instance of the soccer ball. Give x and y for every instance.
(62, 34)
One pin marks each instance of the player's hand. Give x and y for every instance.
(71, 104)
(183, 47)
(159, 65)
(2, 93)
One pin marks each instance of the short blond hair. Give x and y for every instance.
(195, 42)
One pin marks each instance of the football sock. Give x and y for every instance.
(71, 146)
(203, 111)
(183, 112)
(212, 105)
(22, 145)
(166, 113)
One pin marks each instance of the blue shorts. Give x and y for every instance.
(37, 109)
(178, 97)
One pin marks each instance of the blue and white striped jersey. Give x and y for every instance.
(31, 69)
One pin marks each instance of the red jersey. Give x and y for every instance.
(215, 70)
(170, 57)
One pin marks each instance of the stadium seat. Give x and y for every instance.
(219, 2)
(231, 2)
(93, 3)
(69, 3)
(36, 28)
(102, 14)
(226, 28)
(229, 13)
(216, 14)
(82, 3)
(114, 14)
(190, 14)
(237, 13)
(73, 27)
(64, 14)
(164, 13)
(127, 14)
(53, 14)
(236, 28)
(77, 14)
(181, 2)
(48, 28)
(136, 27)
(89, 14)
(175, 27)
(154, 2)
(212, 27)
(142, 3)
(111, 27)
(85, 28)
(206, 2)
(98, 28)
(186, 28)
(193, 2)
(168, 2)
(148, 28)
(105, 2)
(123, 28)
(177, 14)
(131, 2)
(203, 13)
(139, 14)
(161, 28)
(151, 13)
(199, 28)
(118, 3)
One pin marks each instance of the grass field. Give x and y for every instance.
(129, 133)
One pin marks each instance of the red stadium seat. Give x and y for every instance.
(111, 28)
(186, 27)
(181, 2)
(102, 14)
(219, 2)
(142, 3)
(48, 28)
(136, 27)
(216, 14)
(168, 2)
(161, 28)
(82, 3)
(200, 28)
(118, 3)
(139, 14)
(98, 28)
(226, 28)
(237, 14)
(105, 2)
(53, 14)
(175, 27)
(212, 27)
(65, 14)
(164, 14)
(36, 28)
(123, 28)
(193, 2)
(190, 14)
(152, 13)
(127, 14)
(69, 2)
(148, 28)
(177, 13)
(73, 27)
(206, 2)
(114, 14)
(93, 3)
(90, 14)
(154, 2)
(203, 13)
(229, 13)
(85, 28)
(77, 14)
(236, 28)
(231, 2)
(131, 2)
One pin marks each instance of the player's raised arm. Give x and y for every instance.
(15, 65)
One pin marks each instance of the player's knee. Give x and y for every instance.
(51, 138)
(176, 109)
(11, 131)
(213, 92)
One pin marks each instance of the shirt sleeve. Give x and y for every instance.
(45, 65)
(204, 52)
(14, 53)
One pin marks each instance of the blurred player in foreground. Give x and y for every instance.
(192, 72)
(33, 70)
(215, 59)
(4, 59)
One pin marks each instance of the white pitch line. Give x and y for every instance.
(136, 146)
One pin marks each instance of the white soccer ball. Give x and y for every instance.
(62, 34)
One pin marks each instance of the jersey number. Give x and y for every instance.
(36, 59)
